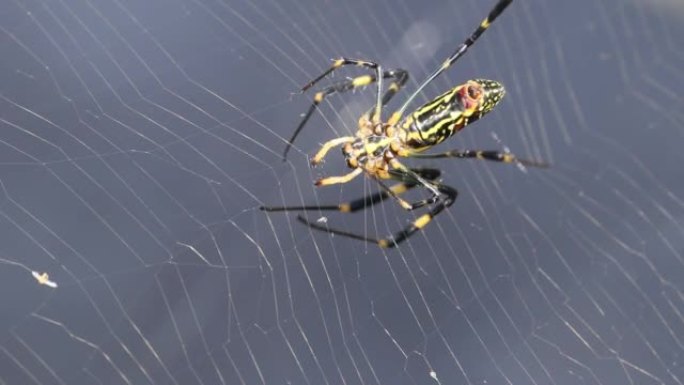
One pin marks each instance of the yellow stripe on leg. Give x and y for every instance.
(344, 207)
(339, 179)
(446, 64)
(394, 118)
(399, 188)
(422, 221)
(362, 81)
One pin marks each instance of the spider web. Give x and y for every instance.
(140, 138)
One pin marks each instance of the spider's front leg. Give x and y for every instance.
(400, 77)
(327, 146)
(339, 179)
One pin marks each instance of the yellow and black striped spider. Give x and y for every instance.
(375, 147)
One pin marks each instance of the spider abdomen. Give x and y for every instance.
(444, 116)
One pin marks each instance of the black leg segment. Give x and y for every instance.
(495, 156)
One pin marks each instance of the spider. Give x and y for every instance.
(375, 147)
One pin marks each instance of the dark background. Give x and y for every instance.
(139, 139)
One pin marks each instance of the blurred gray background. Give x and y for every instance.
(139, 139)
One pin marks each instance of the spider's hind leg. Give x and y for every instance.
(406, 182)
(443, 202)
(365, 202)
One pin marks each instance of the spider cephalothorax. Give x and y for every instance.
(377, 145)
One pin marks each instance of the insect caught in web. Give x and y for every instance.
(377, 145)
